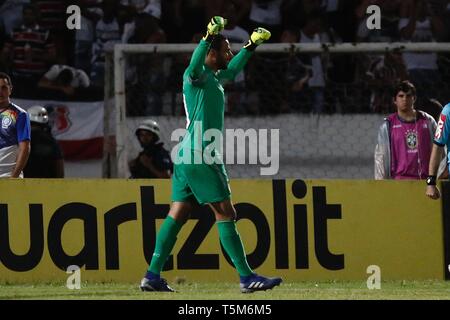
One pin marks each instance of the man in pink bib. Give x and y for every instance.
(405, 139)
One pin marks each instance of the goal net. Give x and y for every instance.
(326, 100)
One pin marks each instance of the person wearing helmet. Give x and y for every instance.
(46, 160)
(14, 133)
(154, 160)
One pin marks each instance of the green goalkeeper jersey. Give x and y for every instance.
(203, 94)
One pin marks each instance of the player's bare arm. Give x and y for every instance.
(22, 158)
(436, 156)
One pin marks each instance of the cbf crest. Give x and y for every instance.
(411, 139)
(6, 122)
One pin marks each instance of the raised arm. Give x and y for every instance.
(196, 66)
(198, 59)
(239, 61)
(236, 65)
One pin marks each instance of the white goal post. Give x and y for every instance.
(115, 158)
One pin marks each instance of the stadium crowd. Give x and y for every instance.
(49, 61)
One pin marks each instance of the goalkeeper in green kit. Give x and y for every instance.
(193, 182)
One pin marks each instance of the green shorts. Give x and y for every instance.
(202, 182)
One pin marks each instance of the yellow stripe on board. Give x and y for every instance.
(300, 230)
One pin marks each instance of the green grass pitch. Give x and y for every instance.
(341, 290)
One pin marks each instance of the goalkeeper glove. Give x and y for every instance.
(215, 26)
(258, 36)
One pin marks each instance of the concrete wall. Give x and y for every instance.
(311, 146)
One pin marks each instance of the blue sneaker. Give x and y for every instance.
(158, 284)
(258, 283)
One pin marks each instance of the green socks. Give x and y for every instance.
(165, 241)
(231, 241)
(228, 234)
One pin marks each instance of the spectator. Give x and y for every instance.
(182, 19)
(136, 5)
(30, 50)
(390, 16)
(241, 9)
(294, 13)
(64, 79)
(11, 14)
(307, 75)
(84, 37)
(144, 28)
(153, 161)
(14, 133)
(236, 98)
(145, 76)
(423, 25)
(152, 7)
(52, 13)
(171, 20)
(264, 80)
(46, 160)
(267, 14)
(107, 33)
(312, 98)
(52, 17)
(233, 31)
(404, 139)
(340, 16)
(370, 66)
(297, 73)
(382, 76)
(268, 94)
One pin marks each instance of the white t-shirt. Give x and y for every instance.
(80, 78)
(128, 31)
(152, 7)
(423, 33)
(107, 34)
(267, 13)
(8, 157)
(86, 31)
(87, 27)
(317, 79)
